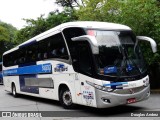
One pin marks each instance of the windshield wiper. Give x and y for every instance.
(126, 58)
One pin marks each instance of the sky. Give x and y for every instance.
(13, 11)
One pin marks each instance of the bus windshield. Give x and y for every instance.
(119, 55)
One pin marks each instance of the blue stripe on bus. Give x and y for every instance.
(33, 69)
(115, 84)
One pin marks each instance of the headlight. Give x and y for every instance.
(103, 88)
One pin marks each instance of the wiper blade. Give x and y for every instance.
(126, 58)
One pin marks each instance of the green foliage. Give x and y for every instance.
(143, 16)
(7, 33)
(35, 27)
(68, 3)
(4, 36)
(55, 19)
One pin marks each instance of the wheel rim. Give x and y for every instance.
(67, 98)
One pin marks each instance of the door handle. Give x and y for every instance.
(76, 77)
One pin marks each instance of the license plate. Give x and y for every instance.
(131, 100)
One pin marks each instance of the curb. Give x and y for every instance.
(155, 91)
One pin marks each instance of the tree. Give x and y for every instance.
(143, 16)
(56, 18)
(69, 3)
(35, 27)
(7, 33)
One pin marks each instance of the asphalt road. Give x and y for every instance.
(24, 104)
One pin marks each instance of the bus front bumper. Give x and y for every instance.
(106, 99)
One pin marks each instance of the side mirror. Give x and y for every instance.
(92, 41)
(152, 42)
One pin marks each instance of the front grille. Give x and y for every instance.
(129, 91)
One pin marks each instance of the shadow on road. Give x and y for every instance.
(113, 111)
(84, 111)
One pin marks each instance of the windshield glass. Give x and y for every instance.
(119, 55)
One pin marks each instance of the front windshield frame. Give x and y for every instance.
(133, 37)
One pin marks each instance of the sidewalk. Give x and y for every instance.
(155, 91)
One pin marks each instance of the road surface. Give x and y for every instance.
(53, 108)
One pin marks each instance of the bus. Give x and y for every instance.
(90, 63)
(1, 76)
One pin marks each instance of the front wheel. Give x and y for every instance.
(66, 98)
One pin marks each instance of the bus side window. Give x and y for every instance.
(0, 67)
(39, 56)
(84, 58)
(15, 56)
(70, 33)
(45, 55)
(22, 60)
(53, 53)
(57, 47)
(8, 60)
(42, 50)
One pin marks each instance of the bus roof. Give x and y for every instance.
(81, 24)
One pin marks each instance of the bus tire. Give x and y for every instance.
(66, 98)
(14, 92)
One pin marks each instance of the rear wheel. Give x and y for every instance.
(14, 92)
(66, 98)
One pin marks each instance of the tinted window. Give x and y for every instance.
(70, 33)
(57, 48)
(84, 58)
(42, 50)
(79, 50)
(51, 47)
(22, 56)
(0, 67)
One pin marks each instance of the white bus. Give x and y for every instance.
(95, 64)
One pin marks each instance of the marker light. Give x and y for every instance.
(91, 32)
(146, 82)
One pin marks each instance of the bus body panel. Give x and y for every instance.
(117, 99)
(8, 80)
(58, 77)
(138, 90)
(86, 92)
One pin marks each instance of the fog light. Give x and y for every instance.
(106, 100)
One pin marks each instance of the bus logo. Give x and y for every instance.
(46, 67)
(60, 68)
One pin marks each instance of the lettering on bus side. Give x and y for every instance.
(46, 67)
(60, 68)
(88, 95)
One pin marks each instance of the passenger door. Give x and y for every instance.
(84, 66)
